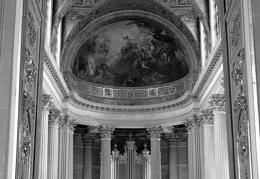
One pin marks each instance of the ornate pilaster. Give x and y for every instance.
(105, 168)
(115, 163)
(53, 145)
(217, 101)
(41, 157)
(155, 135)
(88, 142)
(173, 154)
(208, 158)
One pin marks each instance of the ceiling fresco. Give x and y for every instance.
(131, 53)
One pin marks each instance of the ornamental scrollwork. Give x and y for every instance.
(32, 34)
(240, 107)
(30, 71)
(27, 126)
(237, 72)
(235, 33)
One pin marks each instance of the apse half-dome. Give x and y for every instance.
(131, 53)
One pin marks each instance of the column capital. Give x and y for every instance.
(155, 132)
(207, 116)
(173, 139)
(105, 132)
(68, 123)
(46, 102)
(217, 101)
(192, 121)
(88, 139)
(54, 117)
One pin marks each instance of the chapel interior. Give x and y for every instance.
(129, 89)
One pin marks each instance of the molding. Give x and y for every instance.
(182, 101)
(57, 76)
(208, 68)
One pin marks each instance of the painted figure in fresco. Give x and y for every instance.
(131, 53)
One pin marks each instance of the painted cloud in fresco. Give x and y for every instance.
(130, 53)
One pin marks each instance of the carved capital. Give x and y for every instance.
(68, 123)
(172, 138)
(192, 122)
(217, 101)
(54, 117)
(155, 132)
(105, 132)
(88, 139)
(46, 102)
(207, 116)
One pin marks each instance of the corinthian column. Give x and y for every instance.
(53, 152)
(105, 167)
(88, 142)
(155, 134)
(217, 101)
(65, 149)
(208, 167)
(190, 127)
(173, 155)
(72, 125)
(41, 157)
(194, 147)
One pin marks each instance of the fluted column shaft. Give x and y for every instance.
(53, 145)
(173, 155)
(41, 157)
(194, 147)
(71, 147)
(208, 167)
(155, 134)
(190, 152)
(66, 148)
(88, 142)
(217, 101)
(105, 167)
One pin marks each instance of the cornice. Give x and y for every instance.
(207, 70)
(184, 100)
(48, 59)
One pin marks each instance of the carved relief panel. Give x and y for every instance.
(238, 93)
(29, 89)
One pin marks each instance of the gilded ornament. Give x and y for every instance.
(30, 71)
(32, 34)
